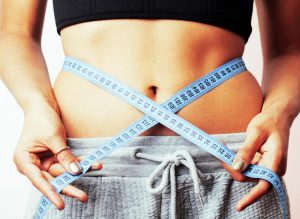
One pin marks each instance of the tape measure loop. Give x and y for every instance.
(164, 114)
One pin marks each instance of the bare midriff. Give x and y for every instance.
(157, 57)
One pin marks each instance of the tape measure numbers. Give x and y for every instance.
(164, 114)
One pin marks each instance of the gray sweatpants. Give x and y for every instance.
(160, 177)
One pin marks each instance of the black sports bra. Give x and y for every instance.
(234, 15)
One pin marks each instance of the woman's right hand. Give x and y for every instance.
(42, 136)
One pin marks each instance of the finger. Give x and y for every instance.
(257, 157)
(236, 175)
(255, 138)
(69, 190)
(95, 166)
(52, 162)
(65, 157)
(57, 169)
(38, 180)
(46, 163)
(274, 155)
(255, 193)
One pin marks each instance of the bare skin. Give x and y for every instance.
(158, 58)
(170, 55)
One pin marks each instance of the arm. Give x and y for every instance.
(280, 34)
(22, 65)
(268, 132)
(24, 72)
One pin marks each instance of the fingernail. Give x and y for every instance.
(96, 166)
(238, 163)
(75, 167)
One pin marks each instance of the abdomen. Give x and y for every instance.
(157, 58)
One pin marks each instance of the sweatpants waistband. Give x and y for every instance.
(124, 160)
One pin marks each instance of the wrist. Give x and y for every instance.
(37, 103)
(284, 112)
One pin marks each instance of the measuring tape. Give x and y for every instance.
(164, 114)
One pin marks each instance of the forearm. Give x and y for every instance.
(281, 87)
(24, 72)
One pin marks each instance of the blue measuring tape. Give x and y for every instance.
(164, 114)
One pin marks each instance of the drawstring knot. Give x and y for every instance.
(174, 159)
(167, 167)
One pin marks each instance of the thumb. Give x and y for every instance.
(65, 157)
(255, 138)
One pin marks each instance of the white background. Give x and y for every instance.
(14, 186)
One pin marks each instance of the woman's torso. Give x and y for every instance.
(157, 57)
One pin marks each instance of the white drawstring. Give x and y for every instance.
(167, 165)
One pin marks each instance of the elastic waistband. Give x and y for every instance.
(124, 162)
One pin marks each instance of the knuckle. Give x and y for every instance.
(270, 119)
(66, 156)
(257, 130)
(260, 132)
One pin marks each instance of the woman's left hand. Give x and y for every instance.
(266, 144)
